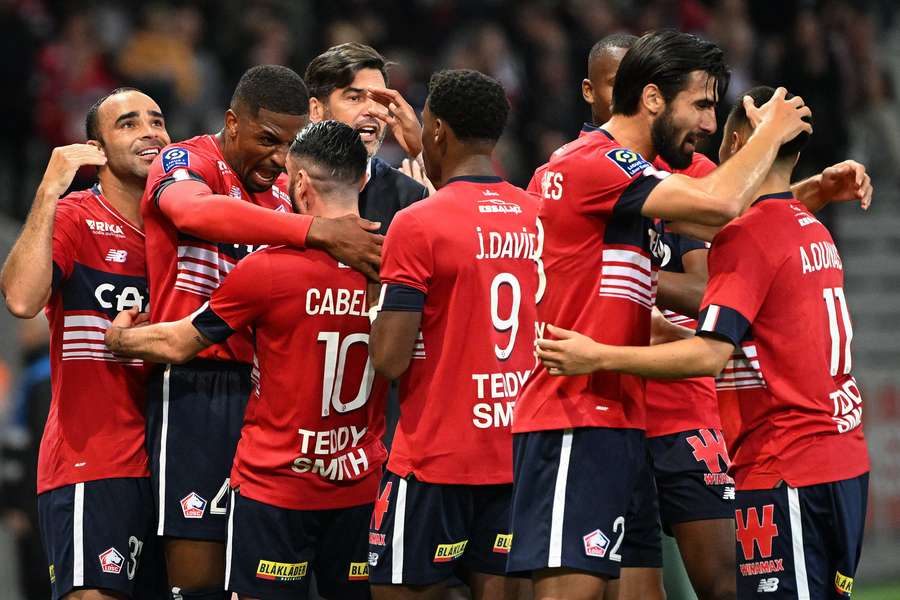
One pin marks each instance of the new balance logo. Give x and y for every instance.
(116, 256)
(711, 450)
(767, 585)
(751, 531)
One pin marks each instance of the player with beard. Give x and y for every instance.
(348, 83)
(599, 259)
(82, 256)
(684, 414)
(209, 200)
(800, 460)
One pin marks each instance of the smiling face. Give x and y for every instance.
(351, 105)
(132, 132)
(258, 145)
(686, 120)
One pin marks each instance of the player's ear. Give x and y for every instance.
(302, 190)
(316, 110)
(231, 123)
(95, 143)
(587, 91)
(652, 99)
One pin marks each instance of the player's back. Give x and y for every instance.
(469, 249)
(313, 426)
(800, 407)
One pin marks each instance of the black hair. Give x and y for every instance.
(615, 40)
(471, 103)
(336, 67)
(760, 95)
(335, 147)
(91, 119)
(272, 87)
(666, 58)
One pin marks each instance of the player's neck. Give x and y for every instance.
(124, 196)
(633, 133)
(467, 165)
(778, 180)
(336, 206)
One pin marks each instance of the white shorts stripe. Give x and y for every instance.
(797, 543)
(229, 542)
(163, 438)
(397, 538)
(559, 501)
(78, 537)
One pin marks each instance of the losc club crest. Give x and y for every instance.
(595, 544)
(193, 506)
(111, 561)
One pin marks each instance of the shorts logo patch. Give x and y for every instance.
(843, 584)
(174, 158)
(503, 543)
(358, 571)
(755, 532)
(193, 506)
(630, 162)
(596, 544)
(710, 448)
(448, 552)
(111, 561)
(376, 539)
(769, 584)
(52, 570)
(278, 571)
(373, 559)
(381, 507)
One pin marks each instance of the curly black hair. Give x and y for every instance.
(272, 87)
(760, 95)
(473, 104)
(333, 147)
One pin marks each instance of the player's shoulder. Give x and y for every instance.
(599, 157)
(73, 202)
(385, 178)
(193, 153)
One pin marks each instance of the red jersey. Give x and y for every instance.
(469, 250)
(184, 270)
(776, 291)
(95, 428)
(598, 270)
(682, 405)
(312, 430)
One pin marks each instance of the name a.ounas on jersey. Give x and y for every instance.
(349, 465)
(820, 256)
(122, 299)
(508, 244)
(336, 302)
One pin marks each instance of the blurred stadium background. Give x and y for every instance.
(843, 57)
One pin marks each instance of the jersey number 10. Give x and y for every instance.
(335, 361)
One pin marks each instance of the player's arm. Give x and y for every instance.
(27, 274)
(846, 181)
(663, 330)
(395, 329)
(395, 112)
(682, 292)
(726, 192)
(173, 342)
(194, 209)
(574, 354)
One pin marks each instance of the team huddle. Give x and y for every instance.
(640, 342)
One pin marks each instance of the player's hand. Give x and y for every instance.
(570, 353)
(126, 319)
(351, 240)
(846, 182)
(397, 114)
(662, 330)
(783, 117)
(64, 163)
(413, 168)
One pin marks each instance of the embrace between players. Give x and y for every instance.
(253, 449)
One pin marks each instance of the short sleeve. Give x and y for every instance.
(66, 240)
(180, 163)
(684, 244)
(740, 275)
(407, 257)
(239, 301)
(618, 183)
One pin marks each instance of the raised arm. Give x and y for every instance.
(173, 342)
(27, 274)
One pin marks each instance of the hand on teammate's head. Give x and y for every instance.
(788, 118)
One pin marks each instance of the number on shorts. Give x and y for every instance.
(134, 549)
(335, 362)
(618, 527)
(219, 504)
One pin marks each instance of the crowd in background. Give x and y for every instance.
(59, 57)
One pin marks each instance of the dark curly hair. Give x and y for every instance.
(272, 87)
(760, 95)
(473, 104)
(334, 148)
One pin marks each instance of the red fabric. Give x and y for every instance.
(469, 249)
(95, 428)
(311, 325)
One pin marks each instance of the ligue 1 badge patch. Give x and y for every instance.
(174, 158)
(630, 162)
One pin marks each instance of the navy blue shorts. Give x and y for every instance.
(572, 492)
(93, 533)
(423, 533)
(272, 552)
(800, 542)
(194, 417)
(686, 481)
